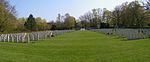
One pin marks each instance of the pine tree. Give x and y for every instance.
(30, 24)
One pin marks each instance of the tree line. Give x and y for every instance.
(63, 22)
(135, 14)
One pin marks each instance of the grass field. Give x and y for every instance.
(79, 46)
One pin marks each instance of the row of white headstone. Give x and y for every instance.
(127, 33)
(30, 37)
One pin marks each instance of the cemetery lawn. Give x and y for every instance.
(79, 46)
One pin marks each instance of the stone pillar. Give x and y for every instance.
(8, 35)
(17, 38)
(28, 37)
(37, 36)
(12, 38)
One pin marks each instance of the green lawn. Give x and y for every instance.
(79, 46)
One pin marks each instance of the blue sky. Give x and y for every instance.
(49, 9)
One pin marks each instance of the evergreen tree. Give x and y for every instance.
(30, 24)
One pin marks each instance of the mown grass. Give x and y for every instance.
(79, 46)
